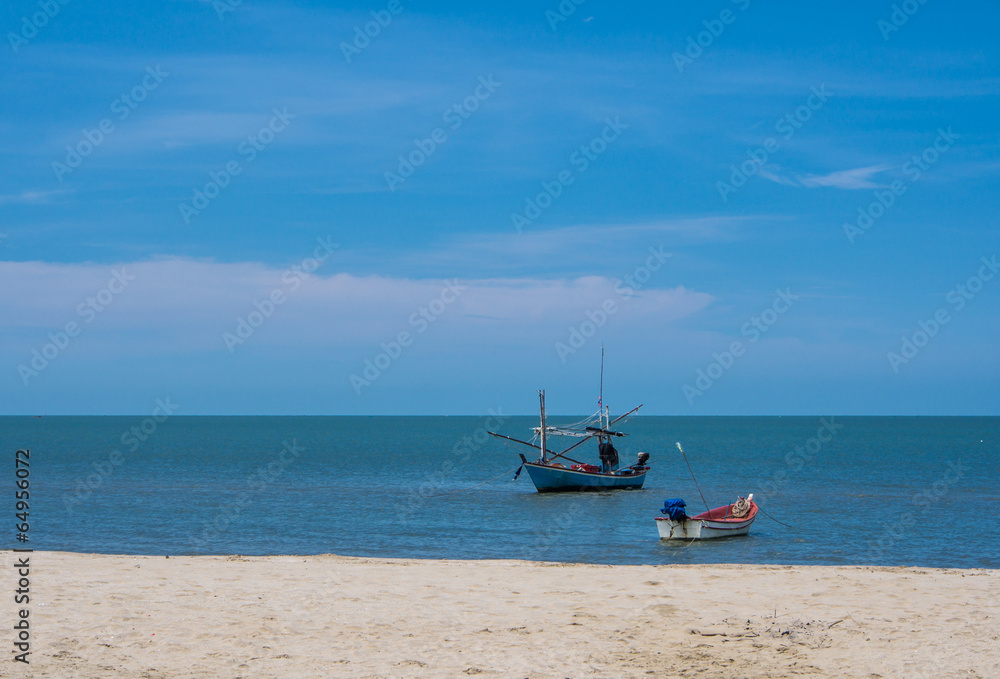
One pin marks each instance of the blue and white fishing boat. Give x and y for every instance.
(550, 474)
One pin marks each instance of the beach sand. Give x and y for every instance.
(330, 616)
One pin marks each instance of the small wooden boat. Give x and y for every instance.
(721, 522)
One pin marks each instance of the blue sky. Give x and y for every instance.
(827, 106)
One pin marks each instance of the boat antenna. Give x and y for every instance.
(600, 399)
(692, 475)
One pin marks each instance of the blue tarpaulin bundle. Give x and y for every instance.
(674, 509)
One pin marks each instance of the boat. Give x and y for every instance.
(550, 473)
(721, 522)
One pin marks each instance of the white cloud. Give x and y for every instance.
(177, 306)
(858, 178)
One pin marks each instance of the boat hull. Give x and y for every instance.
(697, 529)
(549, 479)
(706, 526)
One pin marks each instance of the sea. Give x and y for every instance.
(887, 491)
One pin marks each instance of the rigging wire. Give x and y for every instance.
(575, 425)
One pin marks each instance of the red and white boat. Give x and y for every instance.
(721, 522)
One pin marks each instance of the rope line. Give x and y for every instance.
(772, 518)
(462, 490)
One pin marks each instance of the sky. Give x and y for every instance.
(431, 208)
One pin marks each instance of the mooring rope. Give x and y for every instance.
(772, 518)
(462, 490)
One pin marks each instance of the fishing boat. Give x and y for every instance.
(721, 522)
(550, 473)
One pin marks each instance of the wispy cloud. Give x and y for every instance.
(858, 178)
(31, 197)
(566, 251)
(766, 173)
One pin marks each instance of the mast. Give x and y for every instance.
(600, 399)
(600, 404)
(541, 403)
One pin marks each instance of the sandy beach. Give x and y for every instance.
(330, 616)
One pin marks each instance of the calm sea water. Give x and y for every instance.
(889, 491)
